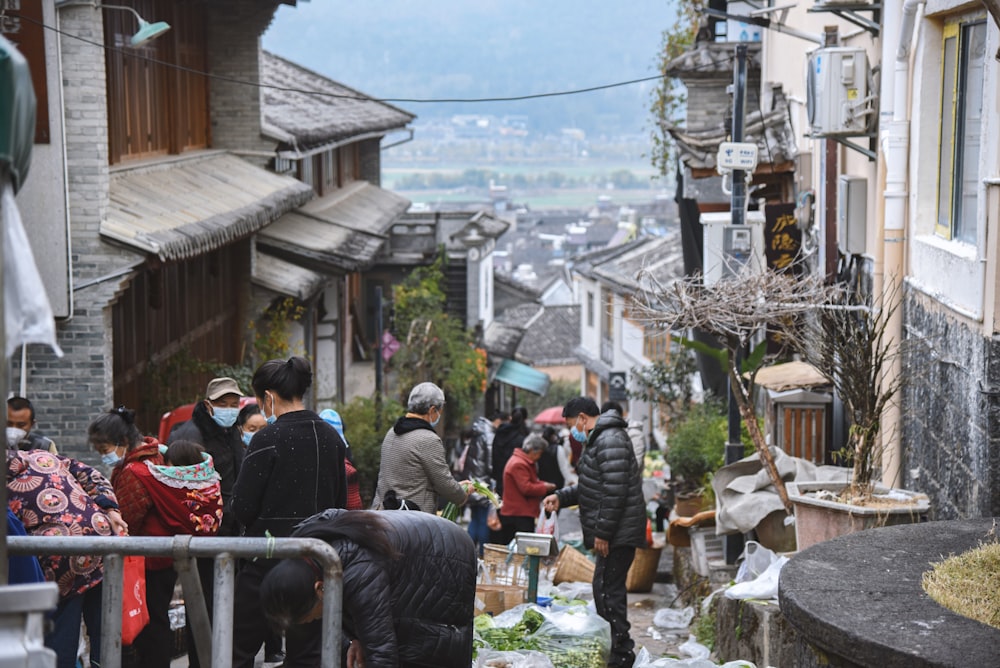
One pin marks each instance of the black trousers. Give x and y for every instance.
(155, 643)
(611, 601)
(250, 629)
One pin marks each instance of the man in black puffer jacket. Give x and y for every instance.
(409, 587)
(612, 512)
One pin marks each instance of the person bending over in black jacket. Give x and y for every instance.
(409, 587)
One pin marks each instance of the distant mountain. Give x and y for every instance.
(486, 48)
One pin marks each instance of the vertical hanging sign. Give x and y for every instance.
(782, 237)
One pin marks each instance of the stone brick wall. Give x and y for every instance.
(234, 30)
(70, 391)
(950, 412)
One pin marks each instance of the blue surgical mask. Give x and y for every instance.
(247, 435)
(578, 436)
(435, 422)
(225, 417)
(111, 459)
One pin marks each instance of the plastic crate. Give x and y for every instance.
(705, 547)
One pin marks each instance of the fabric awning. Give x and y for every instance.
(523, 377)
(285, 278)
(342, 231)
(181, 208)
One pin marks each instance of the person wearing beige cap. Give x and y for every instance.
(213, 426)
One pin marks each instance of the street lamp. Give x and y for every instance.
(147, 31)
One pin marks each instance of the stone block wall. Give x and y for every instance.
(950, 411)
(234, 30)
(70, 391)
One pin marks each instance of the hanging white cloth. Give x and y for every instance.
(26, 309)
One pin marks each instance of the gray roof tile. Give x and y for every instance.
(338, 113)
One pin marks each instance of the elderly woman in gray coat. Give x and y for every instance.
(413, 467)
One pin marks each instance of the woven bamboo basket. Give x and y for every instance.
(503, 567)
(642, 572)
(572, 566)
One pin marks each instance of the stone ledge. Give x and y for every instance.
(859, 601)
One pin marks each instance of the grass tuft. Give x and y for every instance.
(968, 584)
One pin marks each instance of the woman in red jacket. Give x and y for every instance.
(155, 500)
(522, 490)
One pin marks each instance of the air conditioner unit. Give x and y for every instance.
(839, 101)
(852, 213)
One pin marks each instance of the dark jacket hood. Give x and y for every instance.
(405, 425)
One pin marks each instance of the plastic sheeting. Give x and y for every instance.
(17, 113)
(26, 309)
(745, 495)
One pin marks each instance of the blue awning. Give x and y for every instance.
(523, 377)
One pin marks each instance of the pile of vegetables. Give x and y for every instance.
(581, 643)
(508, 638)
(453, 512)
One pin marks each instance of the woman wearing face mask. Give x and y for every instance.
(250, 420)
(132, 458)
(293, 468)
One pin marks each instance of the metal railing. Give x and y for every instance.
(217, 650)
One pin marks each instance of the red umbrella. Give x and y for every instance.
(551, 416)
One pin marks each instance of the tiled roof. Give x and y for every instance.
(623, 266)
(771, 131)
(502, 340)
(711, 60)
(187, 206)
(342, 231)
(551, 337)
(286, 278)
(338, 113)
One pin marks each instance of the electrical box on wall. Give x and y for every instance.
(852, 213)
(839, 101)
(729, 248)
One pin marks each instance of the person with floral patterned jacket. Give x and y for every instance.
(57, 496)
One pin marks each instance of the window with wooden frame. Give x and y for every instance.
(349, 160)
(962, 71)
(608, 315)
(157, 101)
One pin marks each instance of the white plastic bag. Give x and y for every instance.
(547, 523)
(756, 559)
(764, 587)
(26, 309)
(578, 630)
(644, 660)
(488, 658)
(668, 618)
(694, 649)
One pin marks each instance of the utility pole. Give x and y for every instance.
(378, 359)
(733, 544)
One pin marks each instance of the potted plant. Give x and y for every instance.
(695, 450)
(847, 341)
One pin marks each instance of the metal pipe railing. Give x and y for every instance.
(223, 551)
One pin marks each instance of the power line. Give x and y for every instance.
(409, 100)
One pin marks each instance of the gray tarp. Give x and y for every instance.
(745, 495)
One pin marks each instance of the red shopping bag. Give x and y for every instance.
(135, 616)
